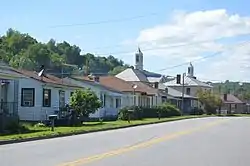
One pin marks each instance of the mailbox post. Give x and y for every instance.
(129, 115)
(52, 120)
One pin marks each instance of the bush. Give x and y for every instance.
(40, 125)
(168, 110)
(151, 112)
(135, 115)
(163, 111)
(14, 127)
(197, 111)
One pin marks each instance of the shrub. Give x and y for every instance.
(197, 111)
(164, 110)
(40, 125)
(168, 110)
(135, 115)
(151, 112)
(14, 127)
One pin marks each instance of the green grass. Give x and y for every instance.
(236, 115)
(43, 132)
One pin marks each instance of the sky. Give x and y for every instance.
(213, 35)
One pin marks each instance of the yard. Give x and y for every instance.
(45, 132)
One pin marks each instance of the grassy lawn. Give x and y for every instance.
(38, 132)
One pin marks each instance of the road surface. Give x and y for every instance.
(210, 141)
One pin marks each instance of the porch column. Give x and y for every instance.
(114, 101)
(1, 109)
(1, 96)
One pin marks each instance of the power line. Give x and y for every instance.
(141, 43)
(106, 21)
(156, 48)
(164, 47)
(202, 58)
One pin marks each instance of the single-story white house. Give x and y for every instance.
(136, 93)
(112, 100)
(41, 96)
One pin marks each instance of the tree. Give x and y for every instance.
(210, 101)
(117, 70)
(84, 102)
(20, 50)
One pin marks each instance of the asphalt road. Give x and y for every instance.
(193, 142)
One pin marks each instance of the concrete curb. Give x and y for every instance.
(3, 142)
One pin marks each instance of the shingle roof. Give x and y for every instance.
(119, 84)
(47, 78)
(173, 92)
(126, 86)
(231, 99)
(147, 88)
(7, 72)
(93, 83)
(139, 75)
(188, 81)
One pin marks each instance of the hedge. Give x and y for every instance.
(162, 111)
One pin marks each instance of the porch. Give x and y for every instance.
(9, 97)
(111, 103)
(189, 104)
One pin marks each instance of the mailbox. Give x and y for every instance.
(52, 119)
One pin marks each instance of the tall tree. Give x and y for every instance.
(21, 50)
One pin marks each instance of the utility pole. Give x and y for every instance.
(62, 73)
(183, 91)
(87, 67)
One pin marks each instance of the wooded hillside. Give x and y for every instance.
(23, 51)
(240, 89)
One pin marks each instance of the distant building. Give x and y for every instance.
(191, 83)
(232, 104)
(139, 74)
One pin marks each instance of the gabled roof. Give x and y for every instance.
(231, 99)
(119, 84)
(147, 88)
(188, 81)
(139, 75)
(46, 78)
(127, 86)
(93, 83)
(175, 93)
(6, 72)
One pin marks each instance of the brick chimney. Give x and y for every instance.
(225, 97)
(156, 85)
(96, 78)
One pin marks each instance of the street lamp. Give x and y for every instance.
(134, 86)
(183, 92)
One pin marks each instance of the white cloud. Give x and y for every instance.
(198, 33)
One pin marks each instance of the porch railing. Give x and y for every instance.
(8, 108)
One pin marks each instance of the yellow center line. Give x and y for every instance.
(151, 142)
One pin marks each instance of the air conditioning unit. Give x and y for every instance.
(27, 103)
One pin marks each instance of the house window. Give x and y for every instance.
(61, 98)
(148, 102)
(46, 97)
(103, 99)
(139, 101)
(117, 103)
(188, 91)
(28, 97)
(137, 58)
